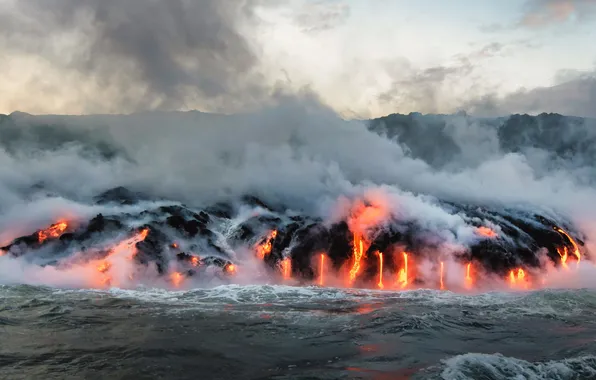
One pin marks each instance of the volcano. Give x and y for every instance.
(181, 242)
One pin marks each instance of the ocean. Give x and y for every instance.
(283, 332)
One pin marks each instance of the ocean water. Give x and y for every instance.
(282, 332)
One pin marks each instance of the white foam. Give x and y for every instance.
(473, 366)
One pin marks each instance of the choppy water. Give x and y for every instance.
(276, 332)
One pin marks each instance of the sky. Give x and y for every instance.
(363, 58)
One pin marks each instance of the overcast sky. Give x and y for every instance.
(362, 57)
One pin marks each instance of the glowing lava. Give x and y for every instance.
(486, 232)
(469, 280)
(230, 268)
(103, 267)
(564, 253)
(322, 270)
(286, 268)
(442, 269)
(195, 261)
(176, 278)
(53, 232)
(264, 248)
(576, 251)
(380, 284)
(518, 277)
(402, 276)
(358, 253)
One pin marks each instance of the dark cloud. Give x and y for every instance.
(171, 51)
(322, 15)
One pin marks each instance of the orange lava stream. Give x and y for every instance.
(518, 277)
(380, 284)
(576, 251)
(286, 268)
(264, 248)
(358, 253)
(53, 232)
(469, 280)
(124, 246)
(564, 253)
(442, 284)
(402, 276)
(322, 270)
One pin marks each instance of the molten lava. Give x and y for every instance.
(322, 270)
(576, 251)
(103, 267)
(53, 232)
(230, 268)
(176, 278)
(441, 283)
(286, 268)
(469, 281)
(564, 253)
(380, 284)
(402, 276)
(195, 261)
(358, 253)
(518, 277)
(265, 247)
(486, 232)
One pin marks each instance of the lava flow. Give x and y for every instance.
(380, 284)
(265, 247)
(358, 254)
(402, 276)
(518, 277)
(53, 232)
(576, 251)
(486, 232)
(286, 268)
(468, 280)
(441, 284)
(322, 270)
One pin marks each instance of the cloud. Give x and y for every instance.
(138, 54)
(543, 13)
(575, 96)
(430, 90)
(322, 15)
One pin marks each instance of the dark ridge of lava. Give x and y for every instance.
(198, 239)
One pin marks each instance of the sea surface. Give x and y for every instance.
(282, 332)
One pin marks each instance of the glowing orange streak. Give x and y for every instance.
(286, 268)
(575, 247)
(402, 277)
(442, 285)
(265, 248)
(54, 232)
(520, 277)
(468, 276)
(230, 268)
(322, 270)
(380, 284)
(358, 253)
(564, 253)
